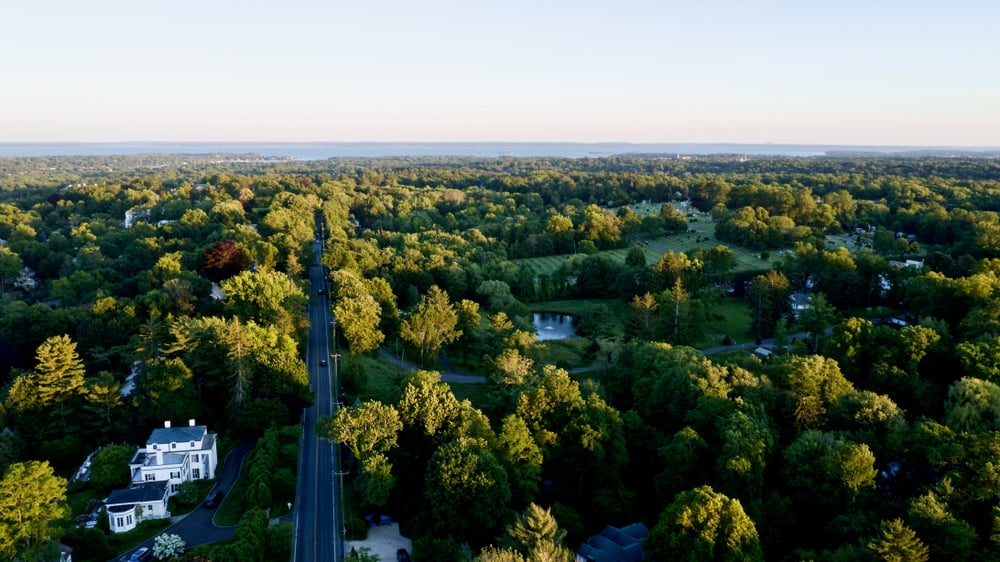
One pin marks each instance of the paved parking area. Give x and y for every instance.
(383, 541)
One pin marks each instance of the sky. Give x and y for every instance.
(854, 72)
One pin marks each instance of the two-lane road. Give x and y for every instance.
(317, 512)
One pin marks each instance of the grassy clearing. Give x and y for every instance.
(731, 317)
(569, 353)
(703, 237)
(654, 248)
(382, 378)
(578, 307)
(478, 394)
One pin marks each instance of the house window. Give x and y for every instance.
(173, 445)
(192, 444)
(174, 488)
(128, 519)
(195, 473)
(149, 477)
(154, 446)
(175, 474)
(121, 522)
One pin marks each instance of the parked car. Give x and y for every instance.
(322, 363)
(402, 555)
(141, 555)
(378, 519)
(213, 500)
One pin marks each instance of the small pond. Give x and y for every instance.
(551, 326)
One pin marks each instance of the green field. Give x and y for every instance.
(654, 248)
(703, 237)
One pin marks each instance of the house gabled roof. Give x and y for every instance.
(183, 434)
(143, 493)
(615, 545)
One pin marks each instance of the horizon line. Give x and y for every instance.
(512, 142)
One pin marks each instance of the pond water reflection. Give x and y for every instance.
(552, 326)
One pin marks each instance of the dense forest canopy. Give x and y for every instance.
(137, 289)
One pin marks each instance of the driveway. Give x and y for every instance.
(197, 527)
(383, 541)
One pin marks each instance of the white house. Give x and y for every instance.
(127, 508)
(176, 454)
(172, 455)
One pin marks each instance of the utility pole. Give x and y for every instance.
(335, 385)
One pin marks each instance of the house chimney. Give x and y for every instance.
(166, 424)
(191, 422)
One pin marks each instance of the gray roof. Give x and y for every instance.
(143, 493)
(615, 545)
(182, 434)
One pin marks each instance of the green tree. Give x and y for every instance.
(269, 298)
(768, 298)
(702, 524)
(817, 318)
(357, 311)
(642, 319)
(467, 488)
(973, 405)
(815, 384)
(522, 458)
(371, 427)
(898, 543)
(109, 468)
(59, 372)
(432, 325)
(376, 480)
(947, 537)
(10, 267)
(32, 504)
(747, 443)
(824, 471)
(358, 318)
(535, 533)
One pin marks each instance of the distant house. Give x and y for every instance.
(614, 545)
(172, 455)
(217, 293)
(133, 216)
(800, 302)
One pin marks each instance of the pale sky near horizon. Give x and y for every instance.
(872, 72)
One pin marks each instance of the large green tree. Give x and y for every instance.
(467, 488)
(32, 505)
(433, 324)
(702, 524)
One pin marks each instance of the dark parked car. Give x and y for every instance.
(402, 555)
(322, 363)
(213, 500)
(141, 555)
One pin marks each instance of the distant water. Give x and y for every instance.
(323, 150)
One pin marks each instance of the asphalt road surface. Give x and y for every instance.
(318, 525)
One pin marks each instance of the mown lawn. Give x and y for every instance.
(654, 248)
(731, 317)
(382, 378)
(569, 353)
